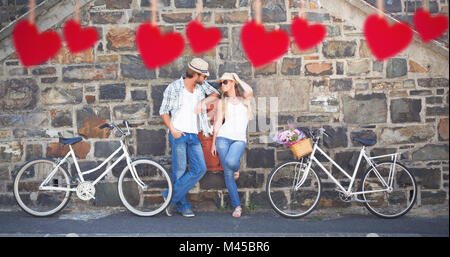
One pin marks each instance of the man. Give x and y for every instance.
(183, 111)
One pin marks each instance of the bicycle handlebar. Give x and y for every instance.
(106, 125)
(323, 131)
(113, 126)
(317, 133)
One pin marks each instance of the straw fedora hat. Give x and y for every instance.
(227, 76)
(199, 65)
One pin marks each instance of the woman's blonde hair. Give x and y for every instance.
(246, 102)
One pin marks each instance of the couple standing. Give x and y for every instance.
(183, 111)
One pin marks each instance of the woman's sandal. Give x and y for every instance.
(237, 212)
(236, 175)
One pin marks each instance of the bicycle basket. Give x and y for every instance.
(302, 148)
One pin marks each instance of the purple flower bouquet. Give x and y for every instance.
(296, 140)
(289, 137)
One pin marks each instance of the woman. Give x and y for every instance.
(229, 138)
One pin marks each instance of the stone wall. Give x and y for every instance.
(402, 103)
(404, 10)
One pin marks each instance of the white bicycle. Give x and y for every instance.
(43, 187)
(388, 189)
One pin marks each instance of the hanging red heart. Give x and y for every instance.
(202, 39)
(261, 47)
(307, 36)
(33, 47)
(157, 49)
(77, 38)
(429, 27)
(384, 40)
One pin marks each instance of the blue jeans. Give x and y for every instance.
(230, 152)
(185, 146)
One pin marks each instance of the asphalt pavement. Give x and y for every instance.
(121, 223)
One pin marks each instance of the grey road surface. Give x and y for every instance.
(219, 224)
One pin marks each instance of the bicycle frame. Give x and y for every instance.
(71, 153)
(348, 192)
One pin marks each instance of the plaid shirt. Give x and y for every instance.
(173, 98)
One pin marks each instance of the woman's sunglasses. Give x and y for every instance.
(225, 82)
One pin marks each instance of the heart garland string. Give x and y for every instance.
(384, 40)
(262, 47)
(78, 39)
(202, 39)
(306, 36)
(33, 47)
(157, 49)
(429, 27)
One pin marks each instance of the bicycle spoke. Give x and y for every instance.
(291, 191)
(395, 201)
(149, 200)
(36, 201)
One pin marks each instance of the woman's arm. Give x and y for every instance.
(248, 91)
(206, 101)
(217, 125)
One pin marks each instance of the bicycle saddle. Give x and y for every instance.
(365, 141)
(70, 141)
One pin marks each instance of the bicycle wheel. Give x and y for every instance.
(148, 201)
(391, 203)
(287, 195)
(41, 202)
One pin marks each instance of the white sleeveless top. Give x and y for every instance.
(235, 126)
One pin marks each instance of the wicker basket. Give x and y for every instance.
(302, 148)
